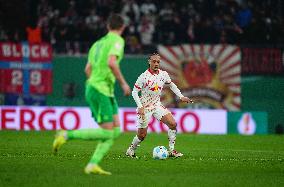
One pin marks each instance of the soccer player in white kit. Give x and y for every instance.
(151, 83)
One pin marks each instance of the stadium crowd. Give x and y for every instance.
(71, 26)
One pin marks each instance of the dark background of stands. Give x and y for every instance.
(72, 26)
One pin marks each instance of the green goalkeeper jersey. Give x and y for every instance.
(101, 76)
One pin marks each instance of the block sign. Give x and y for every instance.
(25, 68)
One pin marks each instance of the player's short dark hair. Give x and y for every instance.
(115, 21)
(153, 54)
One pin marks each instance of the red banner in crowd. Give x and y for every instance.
(262, 61)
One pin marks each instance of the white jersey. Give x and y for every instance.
(151, 84)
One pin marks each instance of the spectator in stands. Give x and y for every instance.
(166, 20)
(131, 9)
(243, 16)
(174, 22)
(34, 33)
(148, 8)
(146, 30)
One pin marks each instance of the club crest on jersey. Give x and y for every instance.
(155, 88)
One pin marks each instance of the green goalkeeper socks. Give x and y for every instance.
(101, 150)
(90, 134)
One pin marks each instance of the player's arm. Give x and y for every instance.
(118, 75)
(91, 56)
(175, 89)
(88, 69)
(137, 88)
(135, 96)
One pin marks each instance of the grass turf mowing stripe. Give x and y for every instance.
(210, 160)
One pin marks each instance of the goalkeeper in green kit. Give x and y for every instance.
(102, 70)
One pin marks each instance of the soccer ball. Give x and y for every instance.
(160, 153)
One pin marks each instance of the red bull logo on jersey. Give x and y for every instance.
(155, 88)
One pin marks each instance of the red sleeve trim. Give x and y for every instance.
(137, 87)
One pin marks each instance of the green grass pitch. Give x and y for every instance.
(210, 160)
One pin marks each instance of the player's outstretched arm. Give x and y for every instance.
(175, 89)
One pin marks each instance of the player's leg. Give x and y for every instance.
(104, 146)
(142, 126)
(102, 110)
(101, 150)
(165, 116)
(109, 117)
(141, 135)
(116, 121)
(116, 126)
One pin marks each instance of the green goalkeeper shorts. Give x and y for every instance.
(102, 107)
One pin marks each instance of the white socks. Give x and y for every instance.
(172, 139)
(135, 143)
(171, 136)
